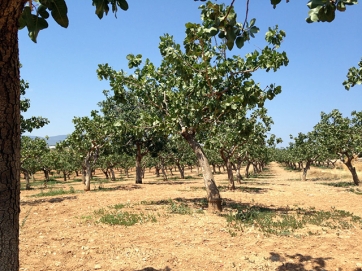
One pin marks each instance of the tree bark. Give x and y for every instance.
(229, 168)
(212, 192)
(138, 165)
(10, 11)
(64, 175)
(113, 176)
(88, 174)
(181, 170)
(305, 171)
(353, 171)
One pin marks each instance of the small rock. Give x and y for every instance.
(97, 266)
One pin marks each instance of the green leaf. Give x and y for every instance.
(59, 12)
(123, 4)
(39, 24)
(101, 7)
(230, 44)
(239, 42)
(252, 22)
(275, 3)
(42, 11)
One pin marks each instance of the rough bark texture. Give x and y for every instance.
(10, 11)
(213, 194)
(353, 171)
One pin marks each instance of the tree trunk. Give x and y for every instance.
(64, 175)
(84, 173)
(10, 11)
(27, 179)
(113, 176)
(46, 174)
(157, 171)
(229, 168)
(105, 172)
(212, 192)
(138, 165)
(305, 171)
(181, 170)
(247, 174)
(88, 174)
(353, 171)
(239, 177)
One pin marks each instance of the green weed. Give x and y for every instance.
(181, 208)
(286, 222)
(55, 192)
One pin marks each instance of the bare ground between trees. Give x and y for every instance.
(62, 233)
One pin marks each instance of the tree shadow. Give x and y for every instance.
(246, 189)
(300, 262)
(49, 200)
(170, 182)
(153, 269)
(118, 187)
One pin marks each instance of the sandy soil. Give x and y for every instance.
(61, 232)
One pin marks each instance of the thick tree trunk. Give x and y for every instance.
(213, 194)
(353, 171)
(84, 173)
(138, 165)
(88, 174)
(10, 11)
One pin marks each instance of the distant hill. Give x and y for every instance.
(53, 140)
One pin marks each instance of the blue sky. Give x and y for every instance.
(61, 67)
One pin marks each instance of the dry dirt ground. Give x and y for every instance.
(63, 232)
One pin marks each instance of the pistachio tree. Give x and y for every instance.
(129, 114)
(88, 139)
(32, 153)
(342, 137)
(307, 149)
(198, 87)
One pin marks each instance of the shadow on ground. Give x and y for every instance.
(246, 189)
(300, 262)
(49, 200)
(153, 269)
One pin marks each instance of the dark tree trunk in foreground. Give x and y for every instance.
(213, 194)
(10, 11)
(353, 171)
